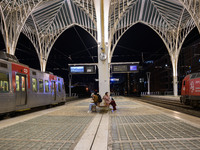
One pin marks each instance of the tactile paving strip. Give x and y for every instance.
(45, 132)
(153, 132)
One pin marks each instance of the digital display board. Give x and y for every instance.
(84, 69)
(76, 69)
(119, 68)
(89, 69)
(133, 67)
(124, 68)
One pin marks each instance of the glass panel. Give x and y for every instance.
(41, 87)
(4, 80)
(46, 86)
(63, 87)
(52, 87)
(34, 85)
(59, 87)
(23, 84)
(17, 83)
(193, 76)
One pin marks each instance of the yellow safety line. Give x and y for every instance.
(24, 109)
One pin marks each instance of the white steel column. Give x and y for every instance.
(104, 73)
(102, 9)
(174, 59)
(43, 64)
(148, 80)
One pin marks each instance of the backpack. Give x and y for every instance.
(99, 98)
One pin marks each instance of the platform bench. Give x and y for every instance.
(102, 108)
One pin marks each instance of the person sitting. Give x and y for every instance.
(94, 102)
(108, 101)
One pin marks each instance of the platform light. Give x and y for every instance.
(114, 79)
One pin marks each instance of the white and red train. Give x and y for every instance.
(22, 88)
(190, 91)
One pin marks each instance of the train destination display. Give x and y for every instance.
(125, 68)
(83, 69)
(77, 69)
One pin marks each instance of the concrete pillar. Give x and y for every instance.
(104, 72)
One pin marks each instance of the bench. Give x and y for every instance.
(102, 108)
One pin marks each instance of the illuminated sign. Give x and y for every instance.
(124, 68)
(77, 69)
(119, 68)
(83, 69)
(133, 67)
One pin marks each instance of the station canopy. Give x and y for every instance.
(43, 21)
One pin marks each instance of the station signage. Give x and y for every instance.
(124, 68)
(83, 69)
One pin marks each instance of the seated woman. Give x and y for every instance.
(108, 101)
(93, 102)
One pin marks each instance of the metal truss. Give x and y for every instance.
(169, 19)
(193, 7)
(43, 21)
(13, 14)
(172, 20)
(49, 20)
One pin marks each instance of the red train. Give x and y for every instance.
(190, 91)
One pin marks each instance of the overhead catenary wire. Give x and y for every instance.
(84, 44)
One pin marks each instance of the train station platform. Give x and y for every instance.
(170, 97)
(135, 125)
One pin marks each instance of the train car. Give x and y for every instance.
(190, 91)
(22, 88)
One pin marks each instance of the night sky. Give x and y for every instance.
(75, 45)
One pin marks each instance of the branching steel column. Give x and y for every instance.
(193, 7)
(15, 15)
(44, 29)
(103, 49)
(174, 60)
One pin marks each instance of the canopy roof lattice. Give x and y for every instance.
(43, 21)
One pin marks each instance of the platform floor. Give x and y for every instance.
(135, 125)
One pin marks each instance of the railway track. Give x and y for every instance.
(171, 104)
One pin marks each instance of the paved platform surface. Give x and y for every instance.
(170, 97)
(135, 125)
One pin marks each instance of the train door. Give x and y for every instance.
(21, 91)
(53, 89)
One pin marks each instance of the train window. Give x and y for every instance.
(4, 80)
(193, 76)
(23, 83)
(41, 86)
(46, 86)
(59, 87)
(33, 73)
(17, 83)
(3, 65)
(63, 87)
(198, 75)
(34, 85)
